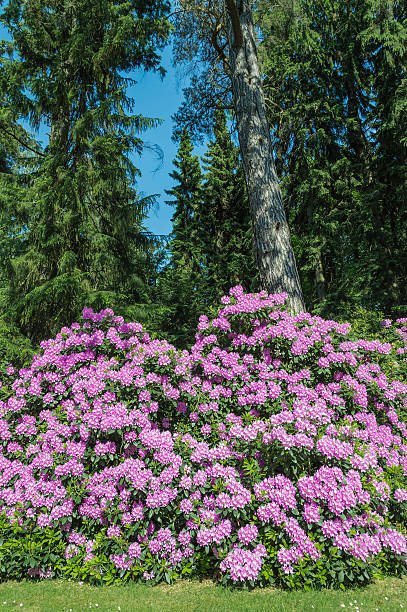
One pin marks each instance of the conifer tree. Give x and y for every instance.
(19, 155)
(226, 224)
(180, 288)
(86, 244)
(220, 35)
(384, 41)
(334, 84)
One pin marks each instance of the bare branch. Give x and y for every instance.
(218, 49)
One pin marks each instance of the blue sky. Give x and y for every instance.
(157, 98)
(154, 98)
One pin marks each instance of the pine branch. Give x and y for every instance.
(21, 142)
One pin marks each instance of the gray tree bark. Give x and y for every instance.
(275, 256)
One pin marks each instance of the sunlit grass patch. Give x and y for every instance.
(58, 595)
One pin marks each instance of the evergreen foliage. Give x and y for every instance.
(18, 160)
(180, 286)
(226, 224)
(86, 243)
(71, 220)
(334, 83)
(211, 246)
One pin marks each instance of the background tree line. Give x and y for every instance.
(334, 82)
(71, 219)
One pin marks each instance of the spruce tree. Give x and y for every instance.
(86, 245)
(180, 288)
(384, 38)
(18, 159)
(225, 223)
(19, 155)
(334, 84)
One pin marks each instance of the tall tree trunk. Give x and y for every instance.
(274, 253)
(320, 278)
(319, 275)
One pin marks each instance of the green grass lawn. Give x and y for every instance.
(58, 595)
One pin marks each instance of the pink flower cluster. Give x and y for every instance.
(270, 421)
(244, 564)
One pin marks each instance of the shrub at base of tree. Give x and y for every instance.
(273, 452)
(15, 348)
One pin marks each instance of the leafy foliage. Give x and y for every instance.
(272, 452)
(15, 349)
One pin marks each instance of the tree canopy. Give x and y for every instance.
(85, 242)
(332, 78)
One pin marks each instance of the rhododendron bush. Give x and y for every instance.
(274, 451)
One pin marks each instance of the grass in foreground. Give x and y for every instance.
(61, 596)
